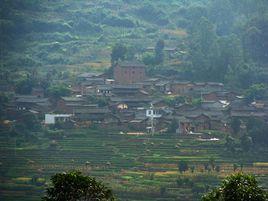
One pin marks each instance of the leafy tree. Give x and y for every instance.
(221, 13)
(59, 90)
(204, 51)
(27, 121)
(159, 52)
(231, 56)
(235, 125)
(118, 53)
(101, 101)
(236, 187)
(173, 126)
(246, 143)
(218, 168)
(255, 38)
(74, 186)
(257, 130)
(235, 166)
(183, 166)
(148, 59)
(212, 163)
(230, 144)
(24, 86)
(255, 92)
(174, 101)
(3, 101)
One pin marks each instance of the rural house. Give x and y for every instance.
(129, 72)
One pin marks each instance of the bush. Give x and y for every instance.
(237, 187)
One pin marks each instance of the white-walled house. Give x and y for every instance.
(53, 118)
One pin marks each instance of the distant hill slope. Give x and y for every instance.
(217, 40)
(36, 33)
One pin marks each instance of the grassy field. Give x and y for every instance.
(135, 167)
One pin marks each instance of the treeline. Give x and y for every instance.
(227, 41)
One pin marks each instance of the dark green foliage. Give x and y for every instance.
(120, 22)
(212, 163)
(149, 13)
(74, 186)
(237, 187)
(230, 144)
(59, 90)
(148, 59)
(118, 53)
(184, 181)
(183, 166)
(196, 102)
(159, 52)
(255, 38)
(235, 125)
(29, 120)
(101, 101)
(257, 130)
(174, 101)
(24, 86)
(246, 143)
(222, 15)
(3, 101)
(256, 92)
(173, 126)
(204, 51)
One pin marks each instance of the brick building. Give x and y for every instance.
(129, 72)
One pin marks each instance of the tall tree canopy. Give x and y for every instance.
(74, 186)
(237, 187)
(118, 53)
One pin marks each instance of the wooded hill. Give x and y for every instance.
(220, 40)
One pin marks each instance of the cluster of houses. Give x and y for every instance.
(129, 100)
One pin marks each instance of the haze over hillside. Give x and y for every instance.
(159, 99)
(211, 36)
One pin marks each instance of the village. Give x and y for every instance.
(130, 101)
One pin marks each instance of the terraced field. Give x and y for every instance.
(135, 167)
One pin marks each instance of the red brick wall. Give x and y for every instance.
(128, 75)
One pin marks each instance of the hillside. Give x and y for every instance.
(81, 33)
(160, 99)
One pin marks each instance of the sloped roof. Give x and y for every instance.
(91, 111)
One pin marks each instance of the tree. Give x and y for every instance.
(257, 130)
(236, 187)
(255, 92)
(235, 125)
(183, 166)
(24, 86)
(3, 101)
(246, 143)
(212, 163)
(204, 51)
(148, 59)
(118, 53)
(159, 52)
(221, 14)
(59, 90)
(173, 126)
(74, 186)
(230, 144)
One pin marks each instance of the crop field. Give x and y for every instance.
(135, 167)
